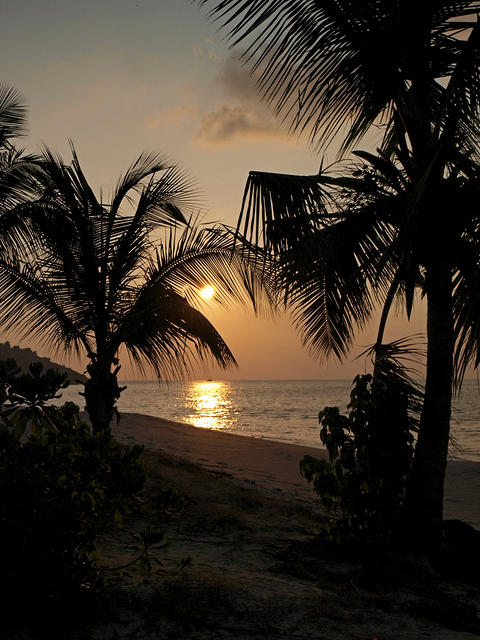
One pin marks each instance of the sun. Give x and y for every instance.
(207, 292)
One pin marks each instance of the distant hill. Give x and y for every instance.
(23, 358)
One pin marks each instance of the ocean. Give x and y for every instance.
(284, 410)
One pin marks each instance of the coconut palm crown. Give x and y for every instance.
(99, 276)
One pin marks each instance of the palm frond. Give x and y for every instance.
(199, 256)
(162, 329)
(165, 195)
(334, 279)
(13, 114)
(335, 242)
(395, 364)
(158, 321)
(34, 305)
(278, 209)
(392, 175)
(165, 191)
(19, 175)
(459, 102)
(466, 299)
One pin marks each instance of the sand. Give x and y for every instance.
(256, 570)
(273, 466)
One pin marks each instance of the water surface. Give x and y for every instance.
(284, 410)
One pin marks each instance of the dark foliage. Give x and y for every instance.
(363, 483)
(61, 487)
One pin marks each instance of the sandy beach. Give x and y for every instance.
(249, 527)
(273, 466)
(245, 563)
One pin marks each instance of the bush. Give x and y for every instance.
(61, 486)
(363, 483)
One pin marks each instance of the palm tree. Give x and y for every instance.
(101, 276)
(339, 67)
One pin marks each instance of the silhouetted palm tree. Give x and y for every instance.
(339, 66)
(93, 280)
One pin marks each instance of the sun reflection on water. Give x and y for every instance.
(209, 403)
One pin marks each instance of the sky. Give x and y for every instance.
(119, 77)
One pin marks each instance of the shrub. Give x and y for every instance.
(61, 486)
(364, 481)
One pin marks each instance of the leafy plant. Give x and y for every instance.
(158, 510)
(24, 397)
(363, 484)
(8, 371)
(61, 488)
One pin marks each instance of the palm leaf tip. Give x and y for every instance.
(13, 113)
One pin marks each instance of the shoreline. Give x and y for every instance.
(272, 466)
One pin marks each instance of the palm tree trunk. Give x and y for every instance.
(101, 393)
(430, 461)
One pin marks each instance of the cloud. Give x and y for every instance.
(240, 114)
(229, 124)
(226, 111)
